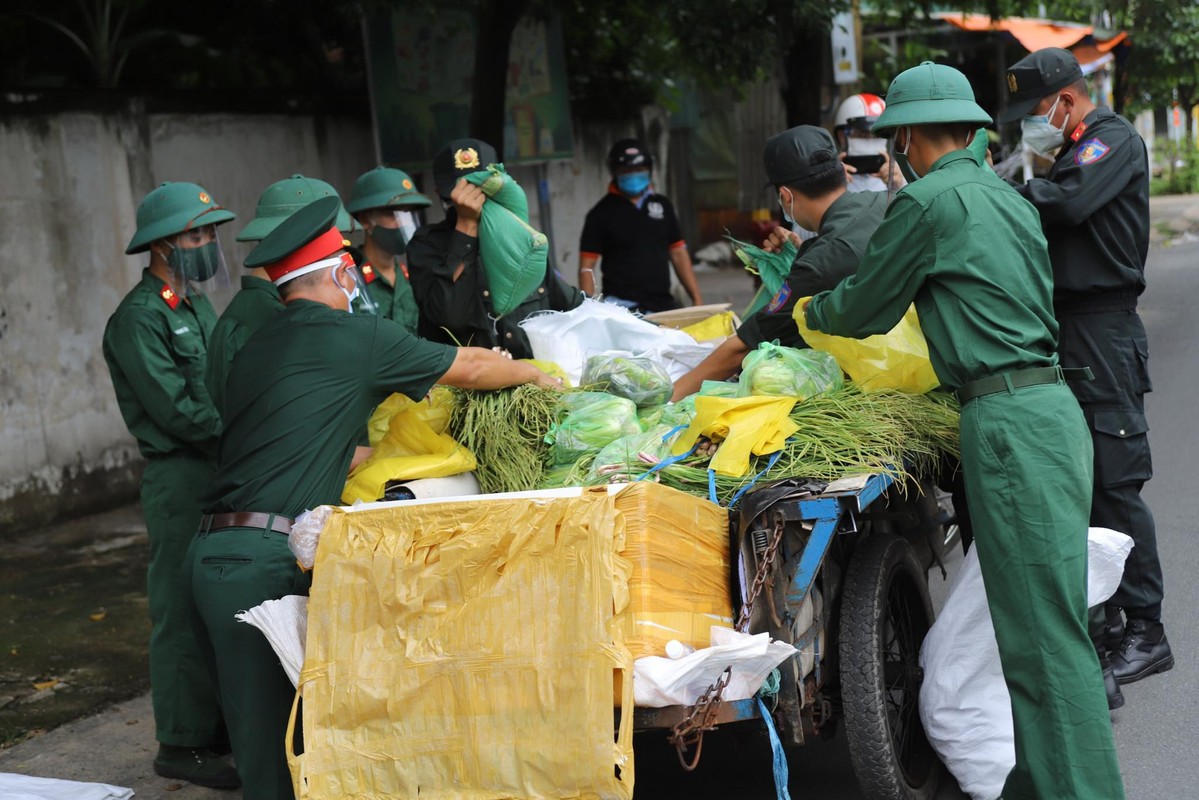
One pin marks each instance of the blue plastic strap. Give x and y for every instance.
(666, 436)
(712, 486)
(779, 757)
(666, 462)
(774, 457)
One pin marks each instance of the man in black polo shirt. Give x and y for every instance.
(632, 234)
(803, 165)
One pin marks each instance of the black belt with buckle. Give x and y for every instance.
(1020, 379)
(247, 519)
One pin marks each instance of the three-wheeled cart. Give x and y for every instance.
(842, 573)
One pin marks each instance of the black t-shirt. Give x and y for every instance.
(633, 243)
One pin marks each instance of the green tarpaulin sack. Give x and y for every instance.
(772, 268)
(514, 255)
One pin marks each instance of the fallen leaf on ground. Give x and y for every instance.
(99, 615)
(50, 684)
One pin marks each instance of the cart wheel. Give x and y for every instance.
(885, 614)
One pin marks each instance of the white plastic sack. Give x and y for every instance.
(661, 681)
(27, 787)
(964, 702)
(284, 622)
(569, 338)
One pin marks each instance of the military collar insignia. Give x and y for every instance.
(1012, 85)
(368, 273)
(1078, 132)
(169, 297)
(466, 158)
(1090, 151)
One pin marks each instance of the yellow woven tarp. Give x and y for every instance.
(466, 650)
(678, 548)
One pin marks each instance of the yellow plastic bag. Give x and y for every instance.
(897, 359)
(466, 650)
(414, 446)
(757, 425)
(551, 369)
(717, 326)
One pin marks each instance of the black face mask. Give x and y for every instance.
(390, 240)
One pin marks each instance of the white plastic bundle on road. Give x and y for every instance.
(27, 787)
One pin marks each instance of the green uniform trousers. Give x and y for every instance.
(235, 569)
(187, 712)
(1027, 461)
(1113, 344)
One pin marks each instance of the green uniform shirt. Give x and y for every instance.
(156, 357)
(1094, 206)
(393, 302)
(298, 396)
(821, 263)
(459, 312)
(969, 251)
(257, 302)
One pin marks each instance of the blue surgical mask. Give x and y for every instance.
(633, 183)
(1040, 135)
(789, 217)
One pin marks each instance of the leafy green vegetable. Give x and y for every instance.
(635, 378)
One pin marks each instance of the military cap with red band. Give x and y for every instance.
(301, 243)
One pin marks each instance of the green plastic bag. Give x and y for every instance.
(773, 370)
(592, 420)
(630, 456)
(719, 389)
(636, 378)
(772, 268)
(680, 413)
(514, 255)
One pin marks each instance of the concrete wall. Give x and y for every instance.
(69, 187)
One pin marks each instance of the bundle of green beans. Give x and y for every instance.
(841, 433)
(505, 429)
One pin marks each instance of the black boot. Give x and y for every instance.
(195, 765)
(1115, 697)
(1144, 651)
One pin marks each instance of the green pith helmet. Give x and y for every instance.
(283, 198)
(173, 208)
(929, 94)
(383, 187)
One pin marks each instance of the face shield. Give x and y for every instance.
(359, 299)
(394, 228)
(195, 259)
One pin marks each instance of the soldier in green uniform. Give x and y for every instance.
(447, 277)
(385, 203)
(802, 164)
(154, 345)
(258, 300)
(968, 250)
(299, 394)
(1094, 205)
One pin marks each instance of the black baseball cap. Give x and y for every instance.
(629, 153)
(460, 157)
(800, 154)
(1037, 76)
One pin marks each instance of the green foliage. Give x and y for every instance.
(1179, 162)
(624, 53)
(881, 62)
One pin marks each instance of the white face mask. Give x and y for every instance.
(1040, 135)
(351, 296)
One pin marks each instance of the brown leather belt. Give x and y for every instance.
(246, 519)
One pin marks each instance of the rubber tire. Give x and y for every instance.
(880, 564)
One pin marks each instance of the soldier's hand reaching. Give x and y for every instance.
(779, 237)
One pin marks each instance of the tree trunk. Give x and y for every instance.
(804, 72)
(493, 37)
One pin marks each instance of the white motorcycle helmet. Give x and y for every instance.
(858, 113)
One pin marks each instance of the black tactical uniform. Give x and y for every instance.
(1094, 206)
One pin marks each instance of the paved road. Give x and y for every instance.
(1155, 731)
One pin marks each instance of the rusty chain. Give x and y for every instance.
(689, 731)
(764, 574)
